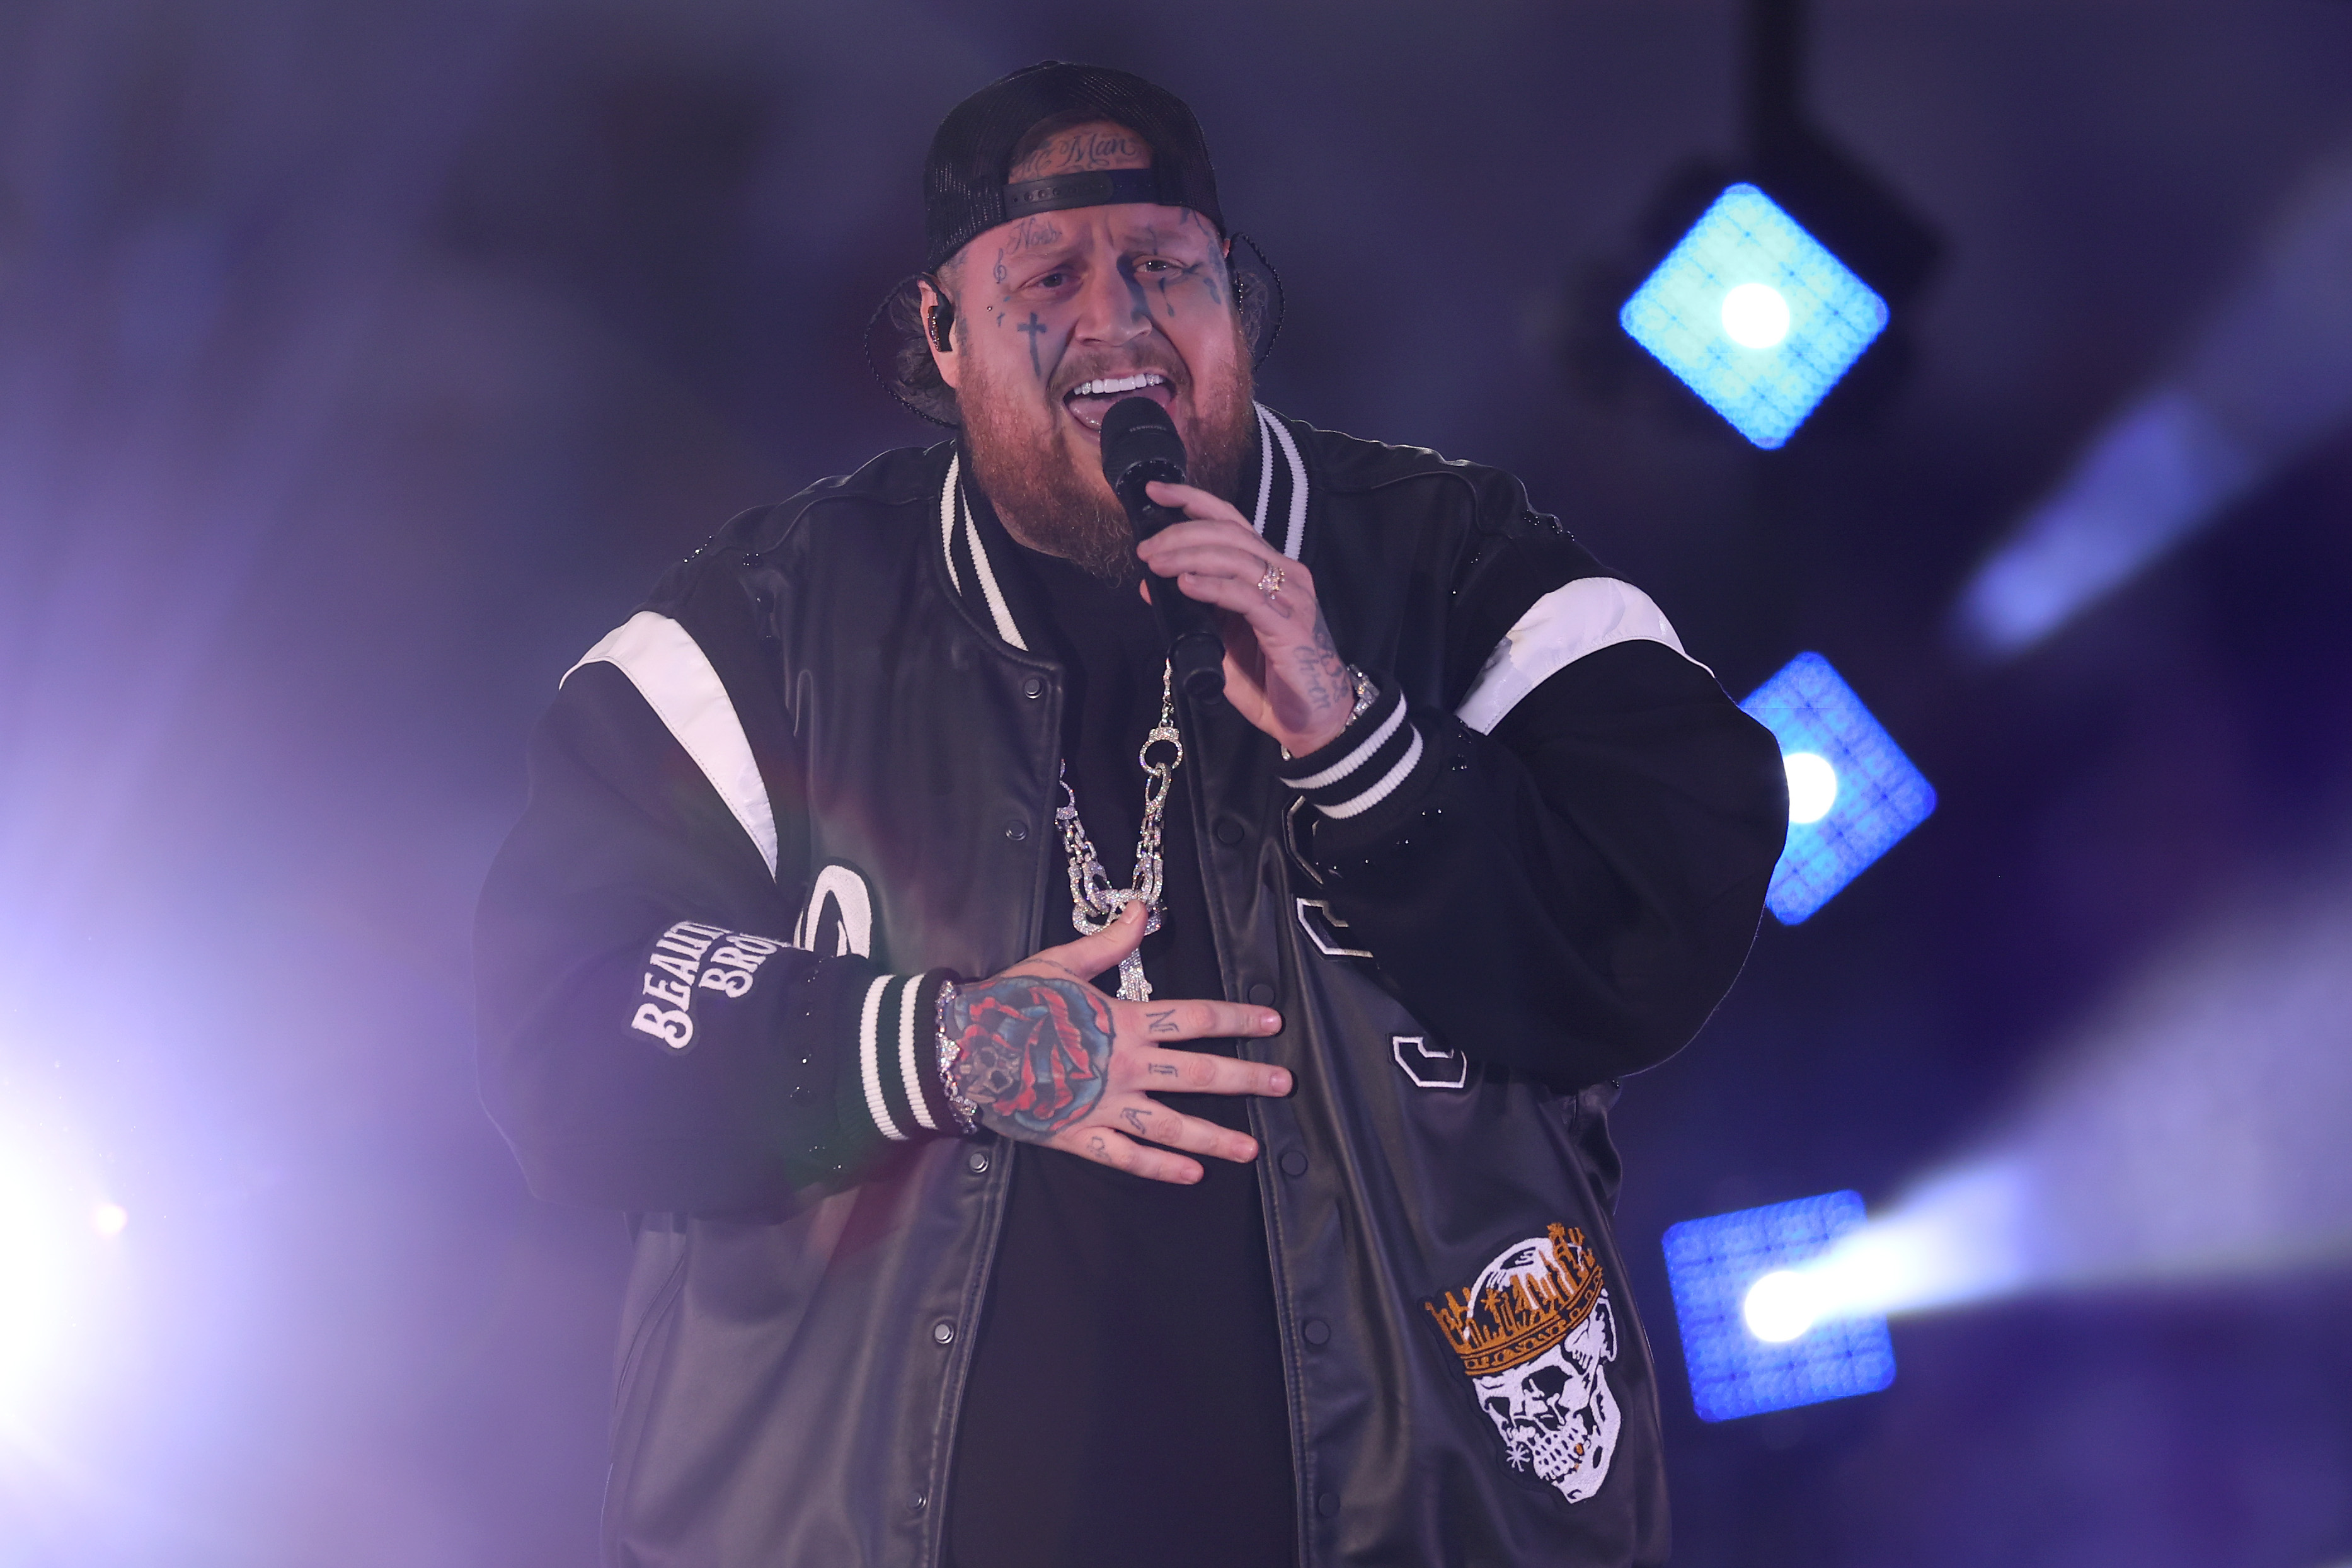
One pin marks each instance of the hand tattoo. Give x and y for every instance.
(1035, 1053)
(1322, 674)
(1163, 1021)
(1134, 1119)
(1160, 1069)
(1310, 679)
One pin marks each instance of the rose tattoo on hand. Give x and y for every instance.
(1035, 1054)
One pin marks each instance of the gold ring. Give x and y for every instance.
(1271, 583)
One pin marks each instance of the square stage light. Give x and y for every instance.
(1714, 1264)
(1754, 314)
(1852, 793)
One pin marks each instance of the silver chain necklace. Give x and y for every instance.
(1094, 903)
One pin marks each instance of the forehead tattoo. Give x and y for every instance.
(1081, 148)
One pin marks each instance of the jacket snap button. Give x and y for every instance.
(1294, 1163)
(943, 1333)
(978, 1161)
(921, 1502)
(1016, 831)
(1033, 688)
(1328, 1505)
(1229, 832)
(1261, 993)
(1317, 1332)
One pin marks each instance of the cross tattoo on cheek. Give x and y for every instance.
(1032, 328)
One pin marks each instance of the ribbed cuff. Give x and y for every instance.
(1377, 758)
(896, 1087)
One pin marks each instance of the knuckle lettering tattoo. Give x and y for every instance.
(1134, 1119)
(1163, 1021)
(1161, 1069)
(1033, 1054)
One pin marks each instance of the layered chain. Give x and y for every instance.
(1094, 903)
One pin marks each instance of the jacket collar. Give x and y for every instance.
(968, 544)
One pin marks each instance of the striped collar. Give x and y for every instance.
(1281, 512)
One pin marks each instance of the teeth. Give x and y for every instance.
(1110, 386)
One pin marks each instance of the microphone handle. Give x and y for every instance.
(1196, 649)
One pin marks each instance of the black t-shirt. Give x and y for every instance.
(1125, 1402)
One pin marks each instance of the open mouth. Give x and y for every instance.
(1089, 400)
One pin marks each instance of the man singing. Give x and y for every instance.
(1065, 1124)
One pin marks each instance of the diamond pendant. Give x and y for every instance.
(1132, 986)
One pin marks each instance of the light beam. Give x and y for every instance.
(2270, 374)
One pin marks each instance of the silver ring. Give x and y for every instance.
(1271, 583)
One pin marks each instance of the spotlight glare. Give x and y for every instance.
(1780, 1306)
(1761, 1329)
(1754, 314)
(59, 1284)
(1964, 1236)
(109, 1218)
(1812, 786)
(1874, 794)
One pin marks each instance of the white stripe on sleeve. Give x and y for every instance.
(1356, 758)
(1381, 790)
(869, 1065)
(674, 675)
(907, 1071)
(1579, 618)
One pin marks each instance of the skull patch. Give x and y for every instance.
(1536, 1334)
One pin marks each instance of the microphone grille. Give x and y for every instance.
(1137, 431)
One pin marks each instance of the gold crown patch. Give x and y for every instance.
(1519, 1315)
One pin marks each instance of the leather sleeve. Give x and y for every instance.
(1571, 893)
(651, 1040)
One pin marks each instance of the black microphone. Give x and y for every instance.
(1140, 447)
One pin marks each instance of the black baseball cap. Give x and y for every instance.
(964, 189)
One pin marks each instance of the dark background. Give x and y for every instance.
(361, 362)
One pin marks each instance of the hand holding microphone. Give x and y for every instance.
(1285, 676)
(1140, 447)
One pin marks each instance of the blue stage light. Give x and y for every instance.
(1852, 793)
(1736, 1274)
(1754, 314)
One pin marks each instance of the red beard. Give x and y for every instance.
(1049, 504)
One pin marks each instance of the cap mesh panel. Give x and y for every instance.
(964, 177)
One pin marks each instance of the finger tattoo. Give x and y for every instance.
(1163, 1021)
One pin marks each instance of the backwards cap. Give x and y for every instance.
(964, 193)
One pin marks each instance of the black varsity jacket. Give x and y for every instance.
(815, 773)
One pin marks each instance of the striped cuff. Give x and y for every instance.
(1371, 761)
(897, 1084)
